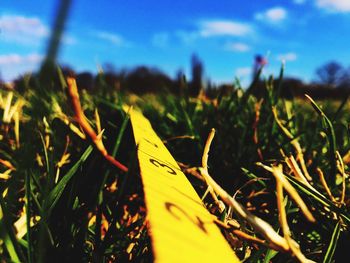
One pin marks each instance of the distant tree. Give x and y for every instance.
(114, 78)
(290, 87)
(180, 83)
(197, 76)
(143, 80)
(85, 80)
(331, 73)
(345, 83)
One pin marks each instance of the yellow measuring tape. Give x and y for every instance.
(180, 227)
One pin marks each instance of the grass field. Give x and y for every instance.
(63, 200)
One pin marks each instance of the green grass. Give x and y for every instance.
(87, 210)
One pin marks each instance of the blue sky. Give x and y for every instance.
(226, 35)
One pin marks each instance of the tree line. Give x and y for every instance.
(332, 81)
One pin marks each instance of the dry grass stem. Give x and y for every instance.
(205, 156)
(278, 174)
(255, 127)
(295, 143)
(16, 119)
(190, 137)
(64, 159)
(6, 175)
(207, 149)
(261, 226)
(300, 158)
(292, 163)
(7, 107)
(83, 122)
(98, 121)
(253, 193)
(193, 171)
(342, 172)
(7, 164)
(294, 247)
(12, 112)
(325, 185)
(279, 123)
(58, 112)
(245, 236)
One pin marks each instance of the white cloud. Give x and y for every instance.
(22, 29)
(160, 39)
(16, 59)
(27, 30)
(342, 6)
(291, 56)
(243, 72)
(272, 15)
(237, 47)
(14, 65)
(187, 37)
(211, 28)
(113, 38)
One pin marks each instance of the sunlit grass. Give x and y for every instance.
(60, 196)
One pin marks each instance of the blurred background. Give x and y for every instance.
(195, 65)
(226, 38)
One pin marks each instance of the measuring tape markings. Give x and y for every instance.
(181, 229)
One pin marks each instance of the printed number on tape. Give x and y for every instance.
(180, 227)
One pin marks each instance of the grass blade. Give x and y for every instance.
(251, 176)
(320, 198)
(279, 87)
(332, 244)
(28, 216)
(56, 193)
(7, 234)
(120, 135)
(105, 177)
(61, 78)
(187, 119)
(46, 155)
(310, 192)
(331, 138)
(114, 152)
(270, 254)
